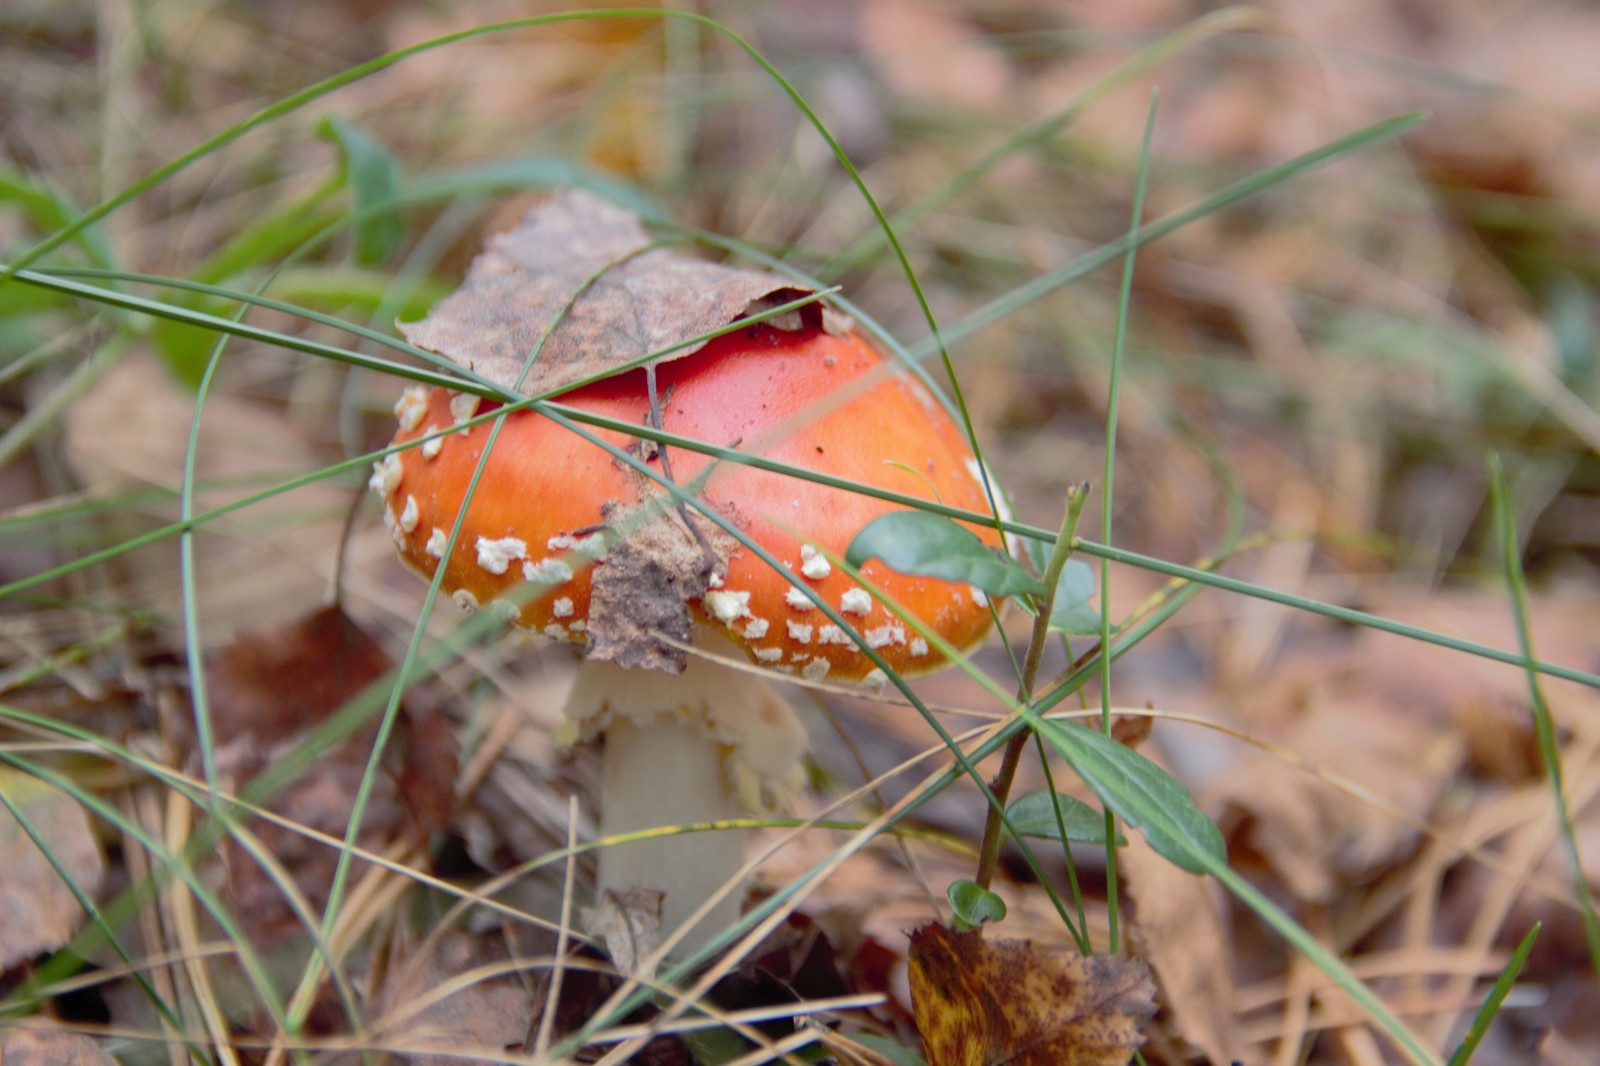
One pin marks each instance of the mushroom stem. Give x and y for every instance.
(710, 743)
(661, 773)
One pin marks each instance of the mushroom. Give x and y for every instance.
(563, 538)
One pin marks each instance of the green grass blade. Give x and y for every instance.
(1118, 349)
(1543, 725)
(1217, 201)
(1497, 995)
(1040, 130)
(373, 175)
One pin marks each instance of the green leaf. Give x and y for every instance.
(930, 545)
(1141, 794)
(892, 1050)
(373, 174)
(516, 173)
(48, 209)
(973, 904)
(1071, 612)
(1497, 996)
(1034, 815)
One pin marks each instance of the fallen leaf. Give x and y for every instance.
(51, 1047)
(477, 1020)
(1175, 923)
(260, 565)
(916, 47)
(642, 301)
(983, 1002)
(267, 690)
(38, 912)
(1310, 833)
(1132, 730)
(641, 594)
(629, 925)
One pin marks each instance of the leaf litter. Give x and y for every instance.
(1387, 894)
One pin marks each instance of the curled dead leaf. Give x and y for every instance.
(629, 925)
(983, 1002)
(643, 300)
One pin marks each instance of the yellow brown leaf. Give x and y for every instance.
(985, 1002)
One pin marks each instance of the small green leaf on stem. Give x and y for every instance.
(973, 905)
(930, 545)
(1072, 610)
(1035, 815)
(1143, 795)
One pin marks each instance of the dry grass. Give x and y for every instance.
(1320, 371)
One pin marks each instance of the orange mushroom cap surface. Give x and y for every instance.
(546, 508)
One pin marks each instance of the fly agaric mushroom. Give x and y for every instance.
(562, 537)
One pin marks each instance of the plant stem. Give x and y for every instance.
(989, 851)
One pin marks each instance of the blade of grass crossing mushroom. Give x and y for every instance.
(1118, 348)
(1193, 575)
(1543, 725)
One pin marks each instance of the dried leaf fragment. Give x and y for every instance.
(38, 911)
(51, 1047)
(984, 1002)
(629, 925)
(645, 299)
(642, 592)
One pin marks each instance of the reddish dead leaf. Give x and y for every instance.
(980, 1002)
(643, 301)
(38, 912)
(267, 690)
(1132, 730)
(272, 684)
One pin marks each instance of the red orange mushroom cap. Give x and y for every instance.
(550, 507)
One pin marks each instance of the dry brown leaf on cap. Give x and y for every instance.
(1175, 925)
(980, 1002)
(642, 301)
(38, 911)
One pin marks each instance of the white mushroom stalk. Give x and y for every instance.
(709, 744)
